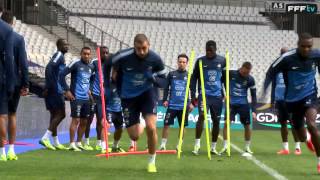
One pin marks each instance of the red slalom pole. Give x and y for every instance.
(104, 117)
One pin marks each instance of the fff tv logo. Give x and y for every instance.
(302, 8)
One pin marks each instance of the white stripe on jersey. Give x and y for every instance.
(73, 62)
(283, 56)
(59, 54)
(122, 54)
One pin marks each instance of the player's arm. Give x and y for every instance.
(63, 83)
(166, 90)
(253, 92)
(273, 70)
(9, 62)
(92, 78)
(194, 81)
(54, 62)
(158, 75)
(24, 67)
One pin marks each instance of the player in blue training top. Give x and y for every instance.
(21, 83)
(298, 67)
(6, 79)
(53, 95)
(137, 71)
(277, 99)
(96, 106)
(240, 82)
(213, 68)
(79, 94)
(176, 90)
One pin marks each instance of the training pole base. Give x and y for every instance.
(136, 153)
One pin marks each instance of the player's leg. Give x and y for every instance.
(199, 128)
(75, 114)
(245, 119)
(168, 120)
(84, 115)
(117, 120)
(186, 123)
(283, 118)
(89, 122)
(99, 126)
(58, 116)
(215, 110)
(233, 113)
(297, 142)
(3, 133)
(12, 123)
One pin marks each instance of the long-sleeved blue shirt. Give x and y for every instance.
(135, 75)
(81, 73)
(298, 74)
(21, 62)
(6, 56)
(212, 72)
(176, 89)
(53, 69)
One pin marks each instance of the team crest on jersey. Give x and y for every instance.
(185, 78)
(219, 65)
(245, 83)
(81, 69)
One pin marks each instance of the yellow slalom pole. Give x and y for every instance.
(228, 103)
(185, 104)
(204, 102)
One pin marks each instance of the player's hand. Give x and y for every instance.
(69, 96)
(45, 93)
(191, 107)
(165, 103)
(254, 116)
(24, 91)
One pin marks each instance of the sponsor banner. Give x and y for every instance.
(267, 118)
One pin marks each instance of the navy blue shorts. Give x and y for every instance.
(298, 109)
(14, 101)
(98, 107)
(55, 102)
(214, 104)
(116, 118)
(80, 108)
(282, 112)
(171, 114)
(146, 104)
(3, 100)
(244, 112)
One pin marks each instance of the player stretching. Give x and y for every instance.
(137, 70)
(78, 93)
(53, 94)
(299, 69)
(213, 66)
(176, 87)
(277, 98)
(240, 82)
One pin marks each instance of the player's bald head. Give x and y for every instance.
(283, 50)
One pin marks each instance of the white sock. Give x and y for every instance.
(103, 145)
(79, 144)
(3, 151)
(11, 147)
(115, 144)
(225, 144)
(178, 144)
(197, 142)
(308, 136)
(46, 135)
(298, 145)
(163, 142)
(87, 141)
(318, 160)
(133, 143)
(248, 144)
(56, 140)
(72, 144)
(285, 145)
(98, 142)
(152, 159)
(213, 145)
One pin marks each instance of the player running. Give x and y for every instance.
(299, 69)
(137, 71)
(79, 94)
(176, 88)
(277, 98)
(240, 82)
(213, 66)
(53, 95)
(6, 78)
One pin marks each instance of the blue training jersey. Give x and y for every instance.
(21, 61)
(81, 73)
(135, 75)
(113, 101)
(53, 69)
(239, 87)
(176, 88)
(280, 88)
(213, 72)
(298, 74)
